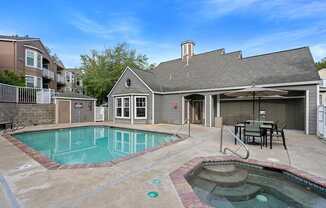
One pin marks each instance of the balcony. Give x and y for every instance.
(61, 79)
(48, 74)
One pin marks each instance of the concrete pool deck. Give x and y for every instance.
(127, 183)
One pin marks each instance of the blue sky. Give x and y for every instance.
(156, 28)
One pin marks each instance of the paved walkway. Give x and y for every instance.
(127, 183)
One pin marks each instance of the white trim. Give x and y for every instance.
(218, 106)
(122, 107)
(153, 108)
(72, 98)
(132, 109)
(135, 75)
(263, 98)
(135, 104)
(307, 112)
(34, 48)
(130, 94)
(210, 110)
(205, 111)
(241, 87)
(183, 111)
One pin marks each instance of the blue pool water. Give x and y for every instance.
(92, 144)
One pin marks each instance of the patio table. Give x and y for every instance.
(266, 125)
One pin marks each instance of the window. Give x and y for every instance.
(140, 107)
(29, 81)
(122, 107)
(128, 83)
(32, 81)
(33, 59)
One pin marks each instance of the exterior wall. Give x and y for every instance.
(12, 57)
(136, 88)
(28, 114)
(83, 114)
(7, 55)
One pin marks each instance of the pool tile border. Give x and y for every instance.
(52, 165)
(190, 200)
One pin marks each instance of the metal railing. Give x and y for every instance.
(235, 152)
(48, 73)
(61, 79)
(182, 125)
(26, 95)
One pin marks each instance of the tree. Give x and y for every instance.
(321, 64)
(103, 69)
(11, 78)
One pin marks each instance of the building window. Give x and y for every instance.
(32, 81)
(128, 83)
(29, 81)
(33, 59)
(122, 107)
(140, 107)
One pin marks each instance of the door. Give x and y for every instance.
(63, 111)
(197, 112)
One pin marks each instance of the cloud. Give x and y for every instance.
(318, 51)
(125, 26)
(290, 9)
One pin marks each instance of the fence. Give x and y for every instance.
(99, 114)
(26, 95)
(322, 121)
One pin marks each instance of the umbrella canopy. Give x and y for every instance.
(254, 92)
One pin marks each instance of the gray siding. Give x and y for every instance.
(84, 114)
(136, 87)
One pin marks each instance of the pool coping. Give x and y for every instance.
(190, 200)
(52, 165)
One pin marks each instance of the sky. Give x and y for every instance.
(156, 28)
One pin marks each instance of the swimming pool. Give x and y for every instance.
(237, 185)
(91, 144)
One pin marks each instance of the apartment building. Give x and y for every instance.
(29, 57)
(74, 82)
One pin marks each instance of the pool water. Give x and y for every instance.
(92, 144)
(237, 186)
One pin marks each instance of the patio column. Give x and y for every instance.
(307, 113)
(182, 110)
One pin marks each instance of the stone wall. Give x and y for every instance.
(29, 114)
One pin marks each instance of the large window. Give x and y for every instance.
(140, 107)
(32, 81)
(122, 107)
(33, 59)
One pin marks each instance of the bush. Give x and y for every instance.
(11, 78)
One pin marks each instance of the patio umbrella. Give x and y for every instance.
(254, 92)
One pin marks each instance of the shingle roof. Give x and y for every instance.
(216, 69)
(16, 37)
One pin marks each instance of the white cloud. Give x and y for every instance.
(318, 51)
(125, 26)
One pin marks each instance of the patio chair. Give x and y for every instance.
(253, 130)
(279, 132)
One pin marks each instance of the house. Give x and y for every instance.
(74, 82)
(322, 89)
(29, 57)
(161, 95)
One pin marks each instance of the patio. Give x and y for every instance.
(127, 183)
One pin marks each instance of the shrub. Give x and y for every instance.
(9, 77)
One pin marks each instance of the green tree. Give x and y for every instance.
(102, 69)
(321, 64)
(10, 77)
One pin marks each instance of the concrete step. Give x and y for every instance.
(222, 170)
(236, 179)
(240, 193)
